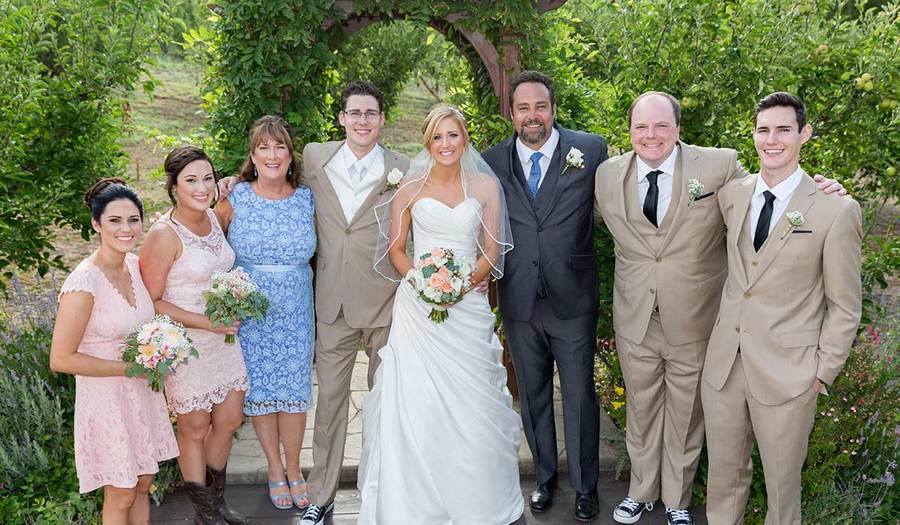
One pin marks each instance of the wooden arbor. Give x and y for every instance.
(500, 59)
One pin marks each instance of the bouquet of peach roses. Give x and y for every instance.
(234, 296)
(441, 280)
(155, 349)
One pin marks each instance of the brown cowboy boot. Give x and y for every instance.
(216, 480)
(203, 498)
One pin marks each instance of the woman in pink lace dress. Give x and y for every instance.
(178, 259)
(122, 428)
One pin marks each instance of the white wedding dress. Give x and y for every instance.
(440, 437)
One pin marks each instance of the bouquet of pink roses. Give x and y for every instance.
(155, 349)
(441, 280)
(234, 296)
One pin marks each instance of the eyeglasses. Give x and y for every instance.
(356, 114)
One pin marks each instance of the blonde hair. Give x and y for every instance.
(436, 115)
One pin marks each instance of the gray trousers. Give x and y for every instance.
(534, 345)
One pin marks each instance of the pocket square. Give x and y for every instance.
(705, 195)
(801, 231)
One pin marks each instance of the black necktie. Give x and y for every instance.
(652, 197)
(765, 217)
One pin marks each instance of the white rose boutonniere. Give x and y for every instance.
(695, 187)
(574, 159)
(795, 218)
(393, 180)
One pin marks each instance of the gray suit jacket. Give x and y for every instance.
(553, 233)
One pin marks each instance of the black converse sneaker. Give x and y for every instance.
(678, 517)
(629, 511)
(315, 515)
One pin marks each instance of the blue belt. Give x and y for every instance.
(272, 268)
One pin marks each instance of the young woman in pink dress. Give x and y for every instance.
(178, 258)
(122, 428)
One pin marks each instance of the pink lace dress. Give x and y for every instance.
(122, 428)
(202, 382)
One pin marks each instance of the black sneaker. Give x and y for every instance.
(629, 511)
(678, 517)
(315, 515)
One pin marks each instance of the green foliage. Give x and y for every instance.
(386, 55)
(268, 58)
(37, 464)
(38, 483)
(63, 65)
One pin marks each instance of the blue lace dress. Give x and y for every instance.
(273, 241)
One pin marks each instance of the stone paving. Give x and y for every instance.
(247, 464)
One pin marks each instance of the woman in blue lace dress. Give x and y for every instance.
(270, 226)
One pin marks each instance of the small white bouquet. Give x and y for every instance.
(441, 281)
(234, 296)
(155, 349)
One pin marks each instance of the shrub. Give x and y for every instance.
(63, 65)
(38, 483)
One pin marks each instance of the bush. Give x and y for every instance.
(38, 483)
(63, 66)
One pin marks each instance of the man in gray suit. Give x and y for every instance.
(548, 294)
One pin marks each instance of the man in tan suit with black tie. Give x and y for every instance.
(353, 303)
(660, 202)
(670, 266)
(788, 316)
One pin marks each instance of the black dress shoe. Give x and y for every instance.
(586, 506)
(542, 497)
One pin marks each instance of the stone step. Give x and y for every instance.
(247, 463)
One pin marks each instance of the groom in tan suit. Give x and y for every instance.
(353, 302)
(788, 316)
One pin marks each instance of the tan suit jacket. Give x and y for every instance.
(345, 279)
(681, 266)
(793, 307)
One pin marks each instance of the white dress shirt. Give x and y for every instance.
(782, 191)
(663, 182)
(547, 150)
(343, 171)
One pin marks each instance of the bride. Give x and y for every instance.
(440, 438)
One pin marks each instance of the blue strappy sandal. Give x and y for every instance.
(301, 501)
(276, 498)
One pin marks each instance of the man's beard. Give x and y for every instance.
(533, 138)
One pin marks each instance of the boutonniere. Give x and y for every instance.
(695, 188)
(795, 219)
(574, 159)
(393, 180)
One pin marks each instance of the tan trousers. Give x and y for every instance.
(336, 348)
(664, 431)
(733, 417)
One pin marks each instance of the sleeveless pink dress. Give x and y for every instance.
(204, 381)
(122, 428)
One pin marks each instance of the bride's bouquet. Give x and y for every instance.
(155, 349)
(441, 280)
(234, 296)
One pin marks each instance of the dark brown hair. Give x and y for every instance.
(780, 98)
(676, 107)
(362, 88)
(277, 129)
(532, 76)
(175, 163)
(104, 191)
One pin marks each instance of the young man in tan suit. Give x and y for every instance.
(660, 202)
(353, 302)
(788, 316)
